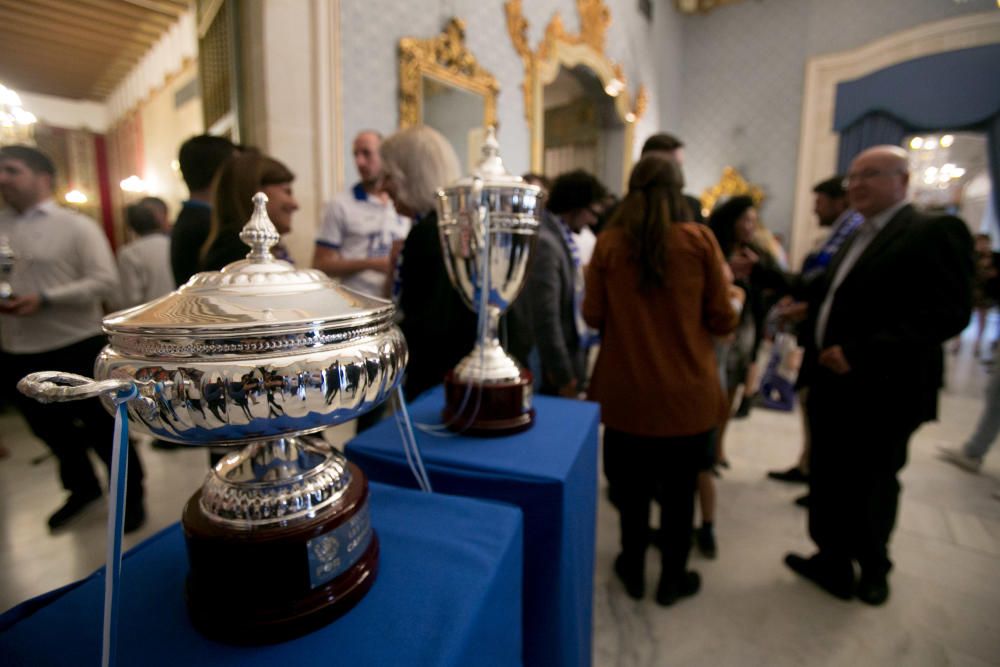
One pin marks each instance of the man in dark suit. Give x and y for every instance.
(894, 292)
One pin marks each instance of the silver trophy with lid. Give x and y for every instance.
(7, 261)
(487, 223)
(258, 356)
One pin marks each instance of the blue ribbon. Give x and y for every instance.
(116, 520)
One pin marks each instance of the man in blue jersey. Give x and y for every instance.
(360, 226)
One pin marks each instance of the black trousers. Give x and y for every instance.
(69, 428)
(857, 452)
(640, 469)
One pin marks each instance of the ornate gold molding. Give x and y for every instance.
(447, 59)
(559, 47)
(701, 6)
(731, 184)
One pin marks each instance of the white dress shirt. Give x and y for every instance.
(144, 267)
(65, 257)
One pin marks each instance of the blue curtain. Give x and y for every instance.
(871, 130)
(951, 91)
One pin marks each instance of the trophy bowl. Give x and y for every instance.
(487, 225)
(259, 356)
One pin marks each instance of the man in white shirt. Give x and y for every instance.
(360, 226)
(63, 272)
(144, 264)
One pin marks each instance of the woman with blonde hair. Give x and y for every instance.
(657, 291)
(237, 181)
(438, 326)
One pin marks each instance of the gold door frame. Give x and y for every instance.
(561, 49)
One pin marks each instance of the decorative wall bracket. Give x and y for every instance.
(446, 59)
(731, 184)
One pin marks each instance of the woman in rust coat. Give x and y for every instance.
(657, 291)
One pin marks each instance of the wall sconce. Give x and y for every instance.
(76, 197)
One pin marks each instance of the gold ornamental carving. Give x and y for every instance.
(560, 48)
(444, 58)
(595, 19)
(732, 184)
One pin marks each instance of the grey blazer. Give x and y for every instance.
(544, 310)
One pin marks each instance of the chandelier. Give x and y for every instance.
(17, 126)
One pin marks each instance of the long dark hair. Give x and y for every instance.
(236, 182)
(653, 203)
(723, 219)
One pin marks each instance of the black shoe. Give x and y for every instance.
(75, 504)
(793, 475)
(635, 587)
(135, 516)
(873, 590)
(670, 591)
(704, 539)
(802, 501)
(837, 585)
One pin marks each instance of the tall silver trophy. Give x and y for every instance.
(487, 223)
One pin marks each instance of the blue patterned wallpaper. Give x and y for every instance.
(371, 29)
(743, 75)
(729, 83)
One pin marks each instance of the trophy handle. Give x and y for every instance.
(56, 387)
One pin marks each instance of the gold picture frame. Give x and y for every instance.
(446, 60)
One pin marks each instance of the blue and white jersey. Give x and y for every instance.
(362, 227)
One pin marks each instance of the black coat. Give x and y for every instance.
(908, 292)
(439, 327)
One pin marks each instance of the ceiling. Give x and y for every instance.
(79, 49)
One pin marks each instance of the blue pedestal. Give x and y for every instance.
(550, 472)
(448, 592)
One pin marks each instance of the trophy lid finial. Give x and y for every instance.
(491, 164)
(260, 233)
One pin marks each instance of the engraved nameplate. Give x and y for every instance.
(332, 553)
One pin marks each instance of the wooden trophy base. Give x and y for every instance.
(271, 583)
(491, 409)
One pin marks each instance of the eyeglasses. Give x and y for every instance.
(869, 175)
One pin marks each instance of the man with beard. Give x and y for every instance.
(360, 226)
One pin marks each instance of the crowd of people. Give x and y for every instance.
(674, 305)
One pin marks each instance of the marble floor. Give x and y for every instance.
(944, 609)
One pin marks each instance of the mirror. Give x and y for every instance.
(442, 85)
(569, 81)
(581, 128)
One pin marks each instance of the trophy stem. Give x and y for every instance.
(488, 363)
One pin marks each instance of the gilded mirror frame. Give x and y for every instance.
(446, 59)
(558, 49)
